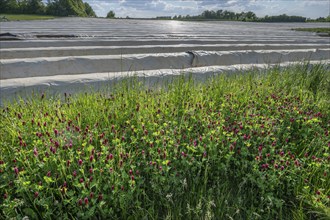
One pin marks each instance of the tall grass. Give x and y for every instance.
(251, 145)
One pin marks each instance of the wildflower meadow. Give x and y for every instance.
(249, 145)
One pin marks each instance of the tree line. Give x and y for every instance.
(245, 16)
(52, 7)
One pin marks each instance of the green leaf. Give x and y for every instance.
(30, 213)
(48, 179)
(26, 183)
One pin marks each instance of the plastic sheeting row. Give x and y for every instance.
(51, 66)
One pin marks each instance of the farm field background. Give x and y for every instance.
(75, 54)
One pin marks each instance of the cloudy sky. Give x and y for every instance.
(153, 8)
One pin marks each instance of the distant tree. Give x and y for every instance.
(219, 14)
(66, 8)
(89, 10)
(111, 14)
(34, 7)
(8, 6)
(251, 16)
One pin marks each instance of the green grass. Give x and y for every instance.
(252, 145)
(23, 17)
(315, 30)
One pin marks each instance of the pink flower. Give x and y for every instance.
(80, 202)
(80, 162)
(16, 170)
(36, 194)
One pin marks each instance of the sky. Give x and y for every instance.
(154, 8)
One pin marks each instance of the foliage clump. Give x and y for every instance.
(53, 7)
